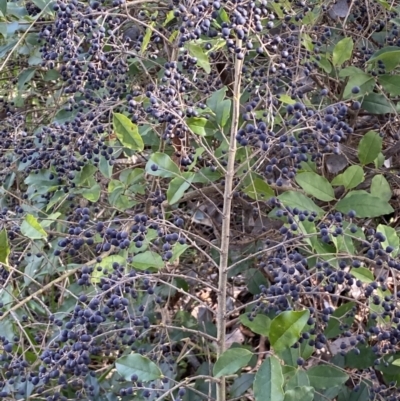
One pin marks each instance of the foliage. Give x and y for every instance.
(198, 200)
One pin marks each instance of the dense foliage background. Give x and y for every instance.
(198, 200)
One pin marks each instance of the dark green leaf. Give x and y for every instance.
(241, 384)
(376, 103)
(365, 82)
(286, 328)
(365, 204)
(289, 356)
(324, 376)
(268, 383)
(328, 394)
(165, 166)
(316, 186)
(259, 190)
(45, 5)
(390, 56)
(31, 228)
(369, 147)
(338, 318)
(216, 98)
(3, 7)
(223, 112)
(259, 325)
(381, 188)
(299, 379)
(178, 186)
(362, 394)
(127, 132)
(254, 278)
(350, 178)
(390, 83)
(25, 77)
(4, 247)
(147, 260)
(231, 361)
(198, 52)
(105, 168)
(144, 368)
(342, 51)
(303, 393)
(296, 199)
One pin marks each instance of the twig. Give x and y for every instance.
(226, 223)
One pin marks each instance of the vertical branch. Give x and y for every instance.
(226, 222)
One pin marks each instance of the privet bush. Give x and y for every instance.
(198, 200)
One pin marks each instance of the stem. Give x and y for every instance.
(226, 224)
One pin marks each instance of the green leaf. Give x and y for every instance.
(296, 199)
(259, 325)
(85, 174)
(178, 186)
(350, 71)
(365, 82)
(365, 204)
(31, 228)
(198, 52)
(231, 361)
(197, 124)
(286, 328)
(135, 364)
(299, 379)
(303, 393)
(106, 263)
(392, 239)
(127, 132)
(324, 376)
(223, 112)
(362, 394)
(165, 166)
(259, 190)
(363, 274)
(146, 38)
(342, 51)
(45, 5)
(364, 360)
(177, 250)
(316, 186)
(390, 56)
(3, 7)
(216, 98)
(381, 188)
(241, 384)
(350, 178)
(268, 383)
(390, 83)
(338, 318)
(375, 103)
(92, 194)
(25, 77)
(369, 147)
(4, 247)
(105, 168)
(146, 260)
